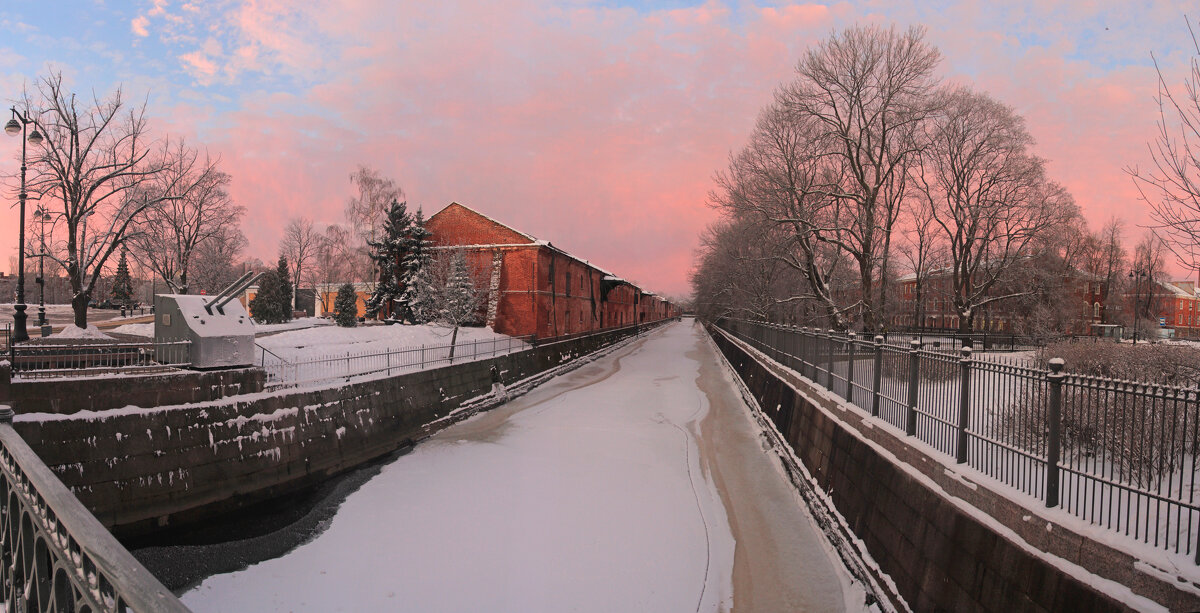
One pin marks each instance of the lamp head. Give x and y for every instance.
(35, 137)
(13, 126)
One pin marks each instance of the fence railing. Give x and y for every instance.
(37, 359)
(282, 371)
(334, 366)
(54, 554)
(1118, 454)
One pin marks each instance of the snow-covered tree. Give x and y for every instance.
(417, 261)
(122, 290)
(345, 306)
(388, 253)
(459, 300)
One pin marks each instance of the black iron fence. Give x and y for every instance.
(291, 371)
(79, 356)
(282, 371)
(56, 556)
(1118, 454)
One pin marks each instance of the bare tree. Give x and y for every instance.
(331, 261)
(167, 236)
(94, 165)
(923, 251)
(1172, 187)
(366, 210)
(989, 196)
(867, 93)
(299, 245)
(213, 266)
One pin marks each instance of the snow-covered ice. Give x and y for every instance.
(146, 330)
(590, 493)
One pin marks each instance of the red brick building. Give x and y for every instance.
(937, 309)
(535, 288)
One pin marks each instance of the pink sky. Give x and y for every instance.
(595, 127)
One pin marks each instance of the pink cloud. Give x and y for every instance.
(597, 128)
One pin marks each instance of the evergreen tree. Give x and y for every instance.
(388, 254)
(122, 290)
(287, 298)
(422, 296)
(459, 300)
(345, 306)
(273, 302)
(416, 300)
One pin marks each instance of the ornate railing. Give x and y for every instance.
(54, 554)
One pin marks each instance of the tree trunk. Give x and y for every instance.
(79, 304)
(453, 342)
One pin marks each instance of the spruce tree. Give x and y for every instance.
(345, 306)
(122, 291)
(388, 254)
(459, 301)
(415, 301)
(273, 302)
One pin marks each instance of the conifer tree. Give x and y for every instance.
(416, 301)
(345, 306)
(272, 303)
(388, 254)
(459, 300)
(286, 297)
(122, 291)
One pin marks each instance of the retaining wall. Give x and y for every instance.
(140, 469)
(940, 555)
(73, 394)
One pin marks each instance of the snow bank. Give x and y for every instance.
(146, 330)
(295, 324)
(73, 331)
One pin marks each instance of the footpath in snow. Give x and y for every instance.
(620, 486)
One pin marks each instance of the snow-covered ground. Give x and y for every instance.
(295, 324)
(590, 493)
(146, 330)
(326, 341)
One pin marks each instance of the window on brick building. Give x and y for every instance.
(1096, 310)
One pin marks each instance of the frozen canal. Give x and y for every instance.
(635, 483)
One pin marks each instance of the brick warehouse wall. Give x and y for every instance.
(139, 469)
(940, 556)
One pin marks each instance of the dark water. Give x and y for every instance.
(183, 557)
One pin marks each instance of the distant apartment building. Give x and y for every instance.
(1083, 311)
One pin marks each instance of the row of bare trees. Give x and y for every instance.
(106, 183)
(338, 253)
(865, 164)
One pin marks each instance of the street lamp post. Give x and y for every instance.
(14, 126)
(42, 216)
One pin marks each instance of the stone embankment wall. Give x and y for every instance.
(139, 469)
(941, 554)
(71, 395)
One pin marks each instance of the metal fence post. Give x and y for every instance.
(850, 338)
(1054, 417)
(964, 403)
(829, 360)
(914, 374)
(878, 376)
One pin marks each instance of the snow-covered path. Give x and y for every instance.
(594, 492)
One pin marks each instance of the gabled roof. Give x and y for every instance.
(517, 234)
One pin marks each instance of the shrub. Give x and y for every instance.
(345, 306)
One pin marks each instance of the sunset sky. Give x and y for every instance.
(595, 125)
